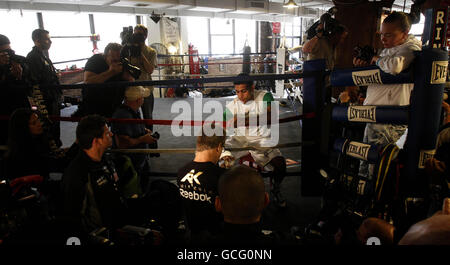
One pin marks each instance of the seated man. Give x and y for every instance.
(249, 102)
(90, 196)
(242, 199)
(104, 68)
(198, 181)
(133, 135)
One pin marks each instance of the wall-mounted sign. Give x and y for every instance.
(170, 30)
(276, 27)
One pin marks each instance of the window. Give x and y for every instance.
(221, 45)
(245, 30)
(66, 23)
(222, 37)
(292, 32)
(286, 29)
(65, 49)
(221, 26)
(18, 26)
(198, 33)
(109, 27)
(417, 29)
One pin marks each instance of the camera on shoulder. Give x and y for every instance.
(329, 24)
(131, 48)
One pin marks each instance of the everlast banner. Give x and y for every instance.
(439, 72)
(368, 77)
(361, 113)
(361, 187)
(424, 155)
(358, 150)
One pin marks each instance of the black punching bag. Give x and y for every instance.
(246, 59)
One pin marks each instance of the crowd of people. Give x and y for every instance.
(218, 202)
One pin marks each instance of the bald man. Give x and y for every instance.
(242, 198)
(432, 231)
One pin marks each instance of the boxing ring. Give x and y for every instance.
(428, 75)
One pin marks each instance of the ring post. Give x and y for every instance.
(281, 67)
(430, 72)
(313, 101)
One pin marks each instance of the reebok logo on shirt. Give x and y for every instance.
(191, 177)
(195, 196)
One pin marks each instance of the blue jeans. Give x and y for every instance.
(379, 134)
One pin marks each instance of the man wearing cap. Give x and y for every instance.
(133, 136)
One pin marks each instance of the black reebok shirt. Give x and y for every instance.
(198, 184)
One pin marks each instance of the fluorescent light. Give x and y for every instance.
(290, 4)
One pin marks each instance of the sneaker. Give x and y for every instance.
(278, 198)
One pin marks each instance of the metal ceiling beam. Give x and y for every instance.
(36, 6)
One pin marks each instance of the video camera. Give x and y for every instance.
(131, 42)
(131, 48)
(364, 53)
(330, 25)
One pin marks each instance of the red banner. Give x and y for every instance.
(276, 27)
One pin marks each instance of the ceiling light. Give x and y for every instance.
(156, 17)
(290, 4)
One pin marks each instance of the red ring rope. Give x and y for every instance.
(181, 64)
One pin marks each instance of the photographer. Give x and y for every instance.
(145, 59)
(11, 68)
(14, 82)
(103, 68)
(323, 44)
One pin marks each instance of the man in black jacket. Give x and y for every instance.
(91, 196)
(44, 74)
